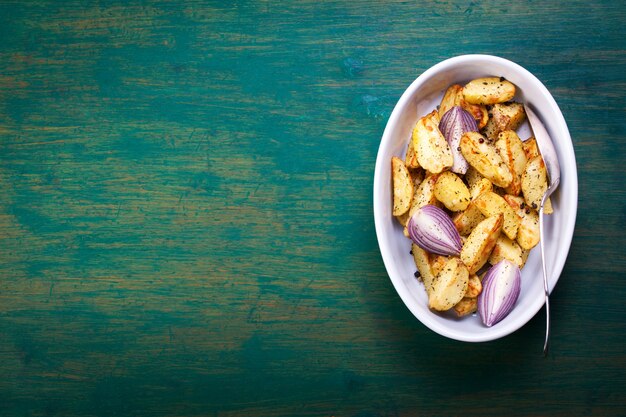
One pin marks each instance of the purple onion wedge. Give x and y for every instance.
(501, 288)
(454, 123)
(431, 229)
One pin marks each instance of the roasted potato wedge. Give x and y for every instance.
(402, 187)
(466, 306)
(535, 184)
(410, 160)
(450, 285)
(516, 202)
(417, 176)
(422, 262)
(474, 286)
(472, 177)
(504, 116)
(528, 231)
(525, 253)
(452, 97)
(482, 186)
(478, 112)
(425, 194)
(437, 262)
(510, 148)
(434, 117)
(465, 221)
(452, 191)
(480, 242)
(488, 90)
(530, 148)
(490, 203)
(484, 157)
(528, 235)
(508, 249)
(433, 152)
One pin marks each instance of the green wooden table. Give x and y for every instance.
(186, 222)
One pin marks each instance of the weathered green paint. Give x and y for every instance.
(186, 223)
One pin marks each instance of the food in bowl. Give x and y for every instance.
(467, 194)
(422, 96)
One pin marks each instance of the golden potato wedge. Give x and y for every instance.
(434, 117)
(450, 285)
(504, 116)
(528, 231)
(402, 187)
(508, 249)
(466, 306)
(478, 112)
(452, 97)
(422, 262)
(480, 242)
(465, 221)
(425, 194)
(472, 177)
(417, 176)
(488, 90)
(510, 148)
(452, 191)
(490, 131)
(410, 159)
(530, 148)
(437, 262)
(490, 203)
(484, 157)
(508, 116)
(474, 286)
(482, 186)
(525, 253)
(528, 235)
(433, 152)
(535, 184)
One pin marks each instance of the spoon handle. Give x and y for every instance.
(545, 278)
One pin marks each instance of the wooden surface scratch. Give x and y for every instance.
(186, 221)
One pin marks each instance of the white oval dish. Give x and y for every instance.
(422, 96)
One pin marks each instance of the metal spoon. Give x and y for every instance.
(551, 161)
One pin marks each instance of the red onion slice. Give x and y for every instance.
(454, 123)
(501, 288)
(431, 229)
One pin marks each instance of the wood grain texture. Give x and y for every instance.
(186, 222)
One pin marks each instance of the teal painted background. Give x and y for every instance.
(186, 222)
